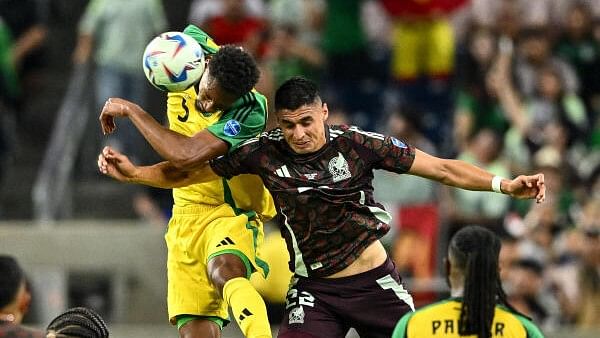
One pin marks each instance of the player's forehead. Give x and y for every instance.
(308, 111)
(211, 86)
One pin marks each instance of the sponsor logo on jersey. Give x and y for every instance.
(232, 128)
(310, 176)
(398, 143)
(338, 167)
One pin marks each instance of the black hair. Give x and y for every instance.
(11, 277)
(530, 264)
(78, 322)
(234, 69)
(475, 250)
(295, 93)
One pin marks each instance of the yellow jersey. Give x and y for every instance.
(441, 320)
(245, 119)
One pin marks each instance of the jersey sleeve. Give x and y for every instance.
(242, 122)
(209, 47)
(402, 326)
(384, 152)
(237, 162)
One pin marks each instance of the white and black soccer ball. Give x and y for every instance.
(173, 61)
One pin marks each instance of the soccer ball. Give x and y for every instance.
(173, 61)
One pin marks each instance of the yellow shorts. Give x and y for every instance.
(195, 235)
(422, 48)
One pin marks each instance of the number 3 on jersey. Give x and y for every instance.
(187, 111)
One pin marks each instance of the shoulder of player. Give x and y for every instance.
(527, 323)
(250, 104)
(264, 138)
(272, 136)
(440, 305)
(352, 132)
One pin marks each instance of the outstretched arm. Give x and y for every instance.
(463, 175)
(183, 152)
(161, 175)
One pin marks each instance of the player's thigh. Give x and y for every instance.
(240, 237)
(376, 313)
(190, 290)
(307, 314)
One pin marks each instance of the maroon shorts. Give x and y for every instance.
(371, 302)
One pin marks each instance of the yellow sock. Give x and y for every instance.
(248, 308)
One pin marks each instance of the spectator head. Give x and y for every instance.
(234, 9)
(14, 295)
(526, 277)
(482, 45)
(550, 83)
(535, 44)
(579, 20)
(486, 145)
(405, 122)
(77, 322)
(508, 21)
(231, 73)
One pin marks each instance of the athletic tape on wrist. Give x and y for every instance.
(496, 182)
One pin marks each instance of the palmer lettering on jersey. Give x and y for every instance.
(450, 326)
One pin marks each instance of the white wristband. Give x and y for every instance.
(496, 181)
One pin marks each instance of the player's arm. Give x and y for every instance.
(209, 47)
(183, 151)
(161, 175)
(464, 175)
(391, 154)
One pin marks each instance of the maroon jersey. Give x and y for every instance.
(325, 198)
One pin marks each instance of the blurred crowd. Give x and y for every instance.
(510, 85)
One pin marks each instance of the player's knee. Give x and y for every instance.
(200, 329)
(222, 268)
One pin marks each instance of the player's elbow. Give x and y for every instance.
(184, 163)
(185, 158)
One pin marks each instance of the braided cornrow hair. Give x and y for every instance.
(476, 250)
(78, 322)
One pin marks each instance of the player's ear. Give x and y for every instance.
(325, 111)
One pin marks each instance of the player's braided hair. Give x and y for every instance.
(295, 93)
(11, 277)
(234, 69)
(475, 250)
(78, 322)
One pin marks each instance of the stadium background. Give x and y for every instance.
(85, 240)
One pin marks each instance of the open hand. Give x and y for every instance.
(114, 107)
(532, 186)
(116, 165)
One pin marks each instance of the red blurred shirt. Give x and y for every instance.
(421, 8)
